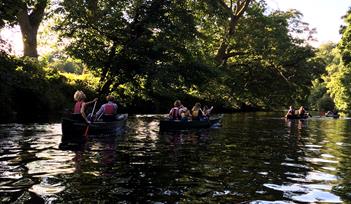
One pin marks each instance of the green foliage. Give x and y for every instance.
(8, 10)
(325, 103)
(154, 50)
(85, 82)
(264, 54)
(344, 44)
(5, 86)
(68, 66)
(319, 99)
(30, 92)
(338, 85)
(148, 53)
(338, 77)
(132, 43)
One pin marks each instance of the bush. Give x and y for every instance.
(325, 103)
(30, 92)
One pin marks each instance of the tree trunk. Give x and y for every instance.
(29, 24)
(105, 89)
(29, 38)
(221, 56)
(235, 14)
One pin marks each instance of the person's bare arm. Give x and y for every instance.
(90, 102)
(170, 112)
(203, 112)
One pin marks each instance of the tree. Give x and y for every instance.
(161, 48)
(338, 79)
(143, 44)
(265, 52)
(28, 14)
(344, 44)
(234, 10)
(319, 98)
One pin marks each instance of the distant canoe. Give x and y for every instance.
(186, 125)
(292, 117)
(332, 115)
(73, 128)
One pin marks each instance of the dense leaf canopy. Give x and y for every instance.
(169, 48)
(233, 54)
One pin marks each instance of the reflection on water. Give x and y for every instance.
(252, 158)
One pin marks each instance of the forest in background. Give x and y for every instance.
(236, 55)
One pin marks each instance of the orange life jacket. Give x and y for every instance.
(109, 109)
(175, 113)
(77, 107)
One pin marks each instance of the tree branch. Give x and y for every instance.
(38, 13)
(242, 7)
(232, 54)
(225, 6)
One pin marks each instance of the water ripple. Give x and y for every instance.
(250, 159)
(317, 196)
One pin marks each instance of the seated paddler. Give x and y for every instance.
(291, 112)
(302, 111)
(80, 106)
(196, 112)
(108, 111)
(184, 114)
(174, 113)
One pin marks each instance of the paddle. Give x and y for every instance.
(87, 129)
(99, 116)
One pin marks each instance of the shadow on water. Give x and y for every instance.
(252, 158)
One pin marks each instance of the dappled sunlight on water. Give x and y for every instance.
(252, 158)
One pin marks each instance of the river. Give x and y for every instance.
(251, 158)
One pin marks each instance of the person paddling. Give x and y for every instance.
(291, 112)
(108, 110)
(196, 112)
(207, 112)
(184, 114)
(302, 111)
(174, 113)
(80, 106)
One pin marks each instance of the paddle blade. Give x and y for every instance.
(86, 132)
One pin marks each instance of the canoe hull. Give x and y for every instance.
(186, 125)
(292, 117)
(72, 129)
(332, 116)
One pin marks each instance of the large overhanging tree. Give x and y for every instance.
(142, 43)
(28, 14)
(162, 46)
(262, 54)
(221, 17)
(270, 56)
(234, 10)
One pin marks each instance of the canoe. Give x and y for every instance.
(186, 125)
(332, 115)
(292, 117)
(72, 128)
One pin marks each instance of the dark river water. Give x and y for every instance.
(252, 158)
